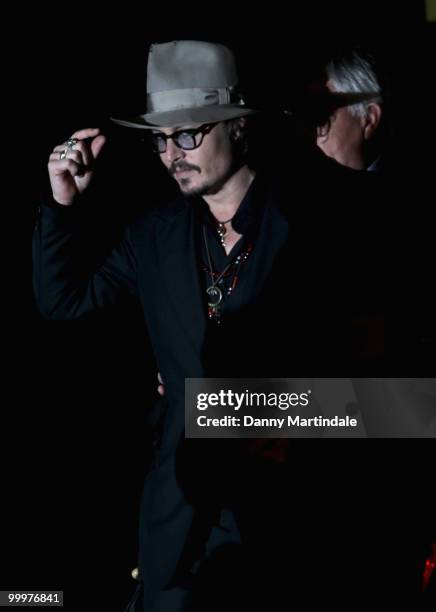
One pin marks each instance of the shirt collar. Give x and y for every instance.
(246, 218)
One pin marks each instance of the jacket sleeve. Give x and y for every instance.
(65, 288)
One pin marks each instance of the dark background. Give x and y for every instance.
(75, 394)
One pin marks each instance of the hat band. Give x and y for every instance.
(174, 99)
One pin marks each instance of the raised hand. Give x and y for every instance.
(71, 165)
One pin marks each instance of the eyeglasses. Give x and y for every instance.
(184, 139)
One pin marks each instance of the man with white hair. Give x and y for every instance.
(352, 134)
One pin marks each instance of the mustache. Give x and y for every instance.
(177, 166)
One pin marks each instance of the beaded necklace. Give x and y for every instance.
(214, 293)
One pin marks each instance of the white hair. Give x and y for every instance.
(355, 73)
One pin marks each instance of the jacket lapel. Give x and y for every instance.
(179, 273)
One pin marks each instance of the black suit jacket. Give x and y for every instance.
(156, 262)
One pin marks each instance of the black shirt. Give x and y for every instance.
(230, 347)
(246, 222)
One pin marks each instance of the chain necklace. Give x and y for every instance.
(214, 293)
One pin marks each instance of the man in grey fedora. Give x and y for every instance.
(198, 266)
(214, 515)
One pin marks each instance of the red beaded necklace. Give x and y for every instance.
(214, 293)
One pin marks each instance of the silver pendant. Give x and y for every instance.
(221, 229)
(215, 296)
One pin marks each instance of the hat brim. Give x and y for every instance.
(180, 117)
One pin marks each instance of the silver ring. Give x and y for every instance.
(71, 142)
(63, 154)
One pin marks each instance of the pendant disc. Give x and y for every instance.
(215, 295)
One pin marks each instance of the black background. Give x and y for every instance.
(74, 394)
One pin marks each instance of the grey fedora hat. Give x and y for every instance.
(189, 81)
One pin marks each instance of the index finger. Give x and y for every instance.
(85, 133)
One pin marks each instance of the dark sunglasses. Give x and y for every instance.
(184, 139)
